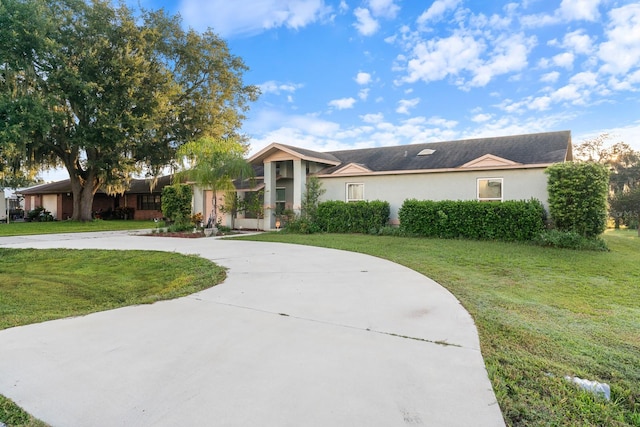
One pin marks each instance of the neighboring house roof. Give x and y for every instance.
(138, 186)
(539, 149)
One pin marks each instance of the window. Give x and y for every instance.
(355, 192)
(281, 200)
(490, 189)
(149, 202)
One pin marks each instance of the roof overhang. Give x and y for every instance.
(447, 170)
(279, 152)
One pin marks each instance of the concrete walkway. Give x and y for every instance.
(296, 336)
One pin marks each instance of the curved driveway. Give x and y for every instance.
(296, 336)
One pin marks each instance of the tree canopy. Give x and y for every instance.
(626, 206)
(622, 161)
(108, 93)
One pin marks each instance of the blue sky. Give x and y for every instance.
(362, 73)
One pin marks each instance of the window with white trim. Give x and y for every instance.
(355, 192)
(490, 189)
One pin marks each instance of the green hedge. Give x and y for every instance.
(510, 220)
(176, 202)
(578, 197)
(352, 217)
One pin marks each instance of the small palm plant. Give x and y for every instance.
(214, 164)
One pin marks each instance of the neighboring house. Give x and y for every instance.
(57, 198)
(11, 205)
(484, 169)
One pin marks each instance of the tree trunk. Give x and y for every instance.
(82, 199)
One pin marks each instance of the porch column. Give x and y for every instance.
(269, 220)
(299, 184)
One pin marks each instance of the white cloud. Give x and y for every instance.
(405, 104)
(342, 103)
(551, 77)
(246, 17)
(578, 42)
(544, 63)
(514, 125)
(586, 78)
(569, 10)
(575, 10)
(384, 8)
(473, 60)
(363, 94)
(372, 118)
(437, 9)
(366, 24)
(569, 92)
(439, 121)
(363, 78)
(535, 21)
(564, 60)
(578, 91)
(509, 54)
(314, 133)
(435, 59)
(621, 52)
(275, 87)
(480, 118)
(540, 103)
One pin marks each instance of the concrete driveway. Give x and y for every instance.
(296, 336)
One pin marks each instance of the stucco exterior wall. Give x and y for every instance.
(518, 184)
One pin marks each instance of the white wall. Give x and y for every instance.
(3, 207)
(518, 184)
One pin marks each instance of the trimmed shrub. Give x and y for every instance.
(569, 240)
(301, 225)
(510, 220)
(39, 214)
(578, 197)
(176, 203)
(352, 217)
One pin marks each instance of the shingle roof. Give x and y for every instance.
(314, 154)
(539, 148)
(138, 186)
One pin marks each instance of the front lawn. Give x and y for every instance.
(542, 314)
(54, 227)
(44, 284)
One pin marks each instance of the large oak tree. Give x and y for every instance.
(109, 93)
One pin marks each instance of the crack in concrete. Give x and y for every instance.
(443, 343)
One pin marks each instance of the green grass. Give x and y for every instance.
(44, 284)
(30, 228)
(541, 314)
(12, 415)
